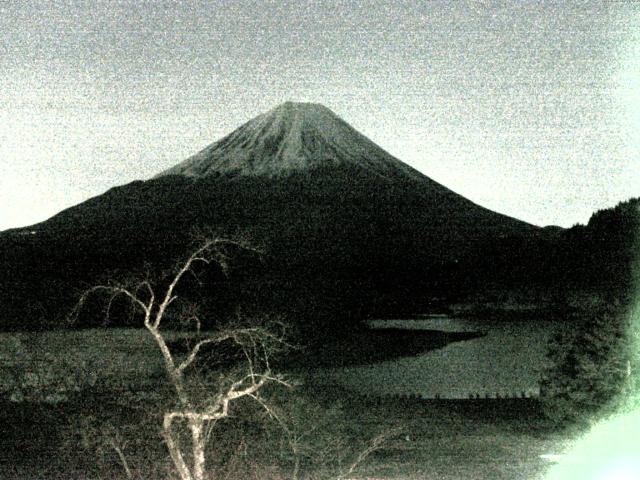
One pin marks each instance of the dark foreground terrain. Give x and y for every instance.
(470, 439)
(83, 404)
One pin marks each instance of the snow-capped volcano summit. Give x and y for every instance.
(345, 223)
(291, 137)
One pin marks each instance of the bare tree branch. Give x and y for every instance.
(257, 344)
(169, 297)
(376, 443)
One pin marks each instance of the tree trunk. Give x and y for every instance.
(174, 450)
(197, 441)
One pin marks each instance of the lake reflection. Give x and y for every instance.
(505, 362)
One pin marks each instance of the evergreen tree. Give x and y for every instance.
(589, 362)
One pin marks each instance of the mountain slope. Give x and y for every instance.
(292, 136)
(347, 227)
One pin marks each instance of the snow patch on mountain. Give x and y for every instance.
(291, 137)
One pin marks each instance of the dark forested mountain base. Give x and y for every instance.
(348, 232)
(338, 237)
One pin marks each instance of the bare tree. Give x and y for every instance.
(191, 412)
(317, 438)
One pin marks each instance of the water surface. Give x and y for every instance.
(506, 362)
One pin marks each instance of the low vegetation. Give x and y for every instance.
(178, 399)
(316, 432)
(590, 364)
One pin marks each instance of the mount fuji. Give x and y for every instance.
(346, 226)
(292, 137)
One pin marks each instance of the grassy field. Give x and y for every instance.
(122, 394)
(112, 357)
(458, 439)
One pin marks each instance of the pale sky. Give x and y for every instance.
(529, 108)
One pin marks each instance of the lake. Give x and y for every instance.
(506, 362)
